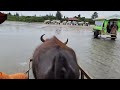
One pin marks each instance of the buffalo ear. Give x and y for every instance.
(41, 38)
(66, 41)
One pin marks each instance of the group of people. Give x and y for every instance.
(112, 28)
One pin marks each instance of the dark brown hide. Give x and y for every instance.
(54, 60)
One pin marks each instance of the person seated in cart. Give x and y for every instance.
(114, 28)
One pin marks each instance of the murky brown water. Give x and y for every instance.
(100, 58)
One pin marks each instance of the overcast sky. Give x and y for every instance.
(86, 14)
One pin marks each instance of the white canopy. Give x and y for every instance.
(115, 16)
(99, 18)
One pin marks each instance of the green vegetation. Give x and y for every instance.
(59, 15)
(17, 17)
(34, 18)
(94, 15)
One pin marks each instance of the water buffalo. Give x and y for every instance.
(54, 60)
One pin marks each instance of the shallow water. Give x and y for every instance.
(100, 58)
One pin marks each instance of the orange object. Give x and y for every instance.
(13, 76)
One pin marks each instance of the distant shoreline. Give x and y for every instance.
(44, 23)
(24, 21)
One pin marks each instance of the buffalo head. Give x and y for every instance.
(44, 40)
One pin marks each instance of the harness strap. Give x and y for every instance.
(29, 68)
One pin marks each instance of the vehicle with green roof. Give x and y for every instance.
(101, 26)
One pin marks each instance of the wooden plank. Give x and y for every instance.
(110, 37)
(108, 34)
(112, 34)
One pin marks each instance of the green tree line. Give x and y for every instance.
(34, 18)
(17, 17)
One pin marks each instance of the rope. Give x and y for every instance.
(28, 69)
